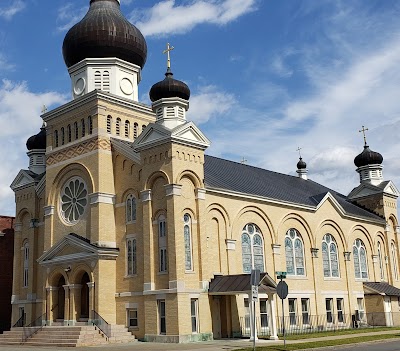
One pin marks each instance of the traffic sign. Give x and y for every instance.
(281, 275)
(254, 292)
(282, 290)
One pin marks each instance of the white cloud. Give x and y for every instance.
(5, 65)
(166, 18)
(8, 12)
(208, 103)
(21, 120)
(68, 15)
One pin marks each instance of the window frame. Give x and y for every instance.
(252, 232)
(25, 277)
(340, 310)
(292, 308)
(329, 240)
(130, 209)
(329, 311)
(162, 318)
(162, 244)
(129, 318)
(305, 313)
(131, 256)
(194, 317)
(394, 260)
(293, 240)
(188, 240)
(357, 260)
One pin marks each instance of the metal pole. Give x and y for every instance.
(254, 325)
(283, 321)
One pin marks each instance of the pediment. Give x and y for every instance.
(390, 188)
(191, 133)
(23, 179)
(331, 199)
(73, 248)
(366, 189)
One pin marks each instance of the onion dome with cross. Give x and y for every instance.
(37, 141)
(169, 87)
(104, 32)
(367, 157)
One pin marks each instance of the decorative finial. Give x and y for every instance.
(167, 51)
(363, 130)
(243, 161)
(299, 150)
(44, 109)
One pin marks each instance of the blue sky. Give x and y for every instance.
(266, 77)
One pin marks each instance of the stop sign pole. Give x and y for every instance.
(282, 290)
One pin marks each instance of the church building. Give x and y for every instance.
(122, 216)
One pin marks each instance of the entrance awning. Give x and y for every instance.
(380, 288)
(240, 284)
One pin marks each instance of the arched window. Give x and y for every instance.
(83, 127)
(106, 81)
(252, 248)
(360, 259)
(394, 260)
(131, 256)
(90, 124)
(56, 138)
(130, 209)
(127, 127)
(97, 80)
(62, 136)
(294, 251)
(26, 265)
(69, 131)
(330, 256)
(109, 124)
(76, 131)
(135, 130)
(187, 234)
(118, 126)
(143, 127)
(381, 262)
(162, 243)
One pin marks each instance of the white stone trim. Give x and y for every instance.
(173, 190)
(201, 194)
(148, 286)
(276, 249)
(18, 227)
(145, 195)
(111, 244)
(49, 210)
(103, 198)
(230, 244)
(177, 284)
(131, 305)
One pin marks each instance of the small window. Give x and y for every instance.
(194, 311)
(106, 81)
(381, 263)
(26, 265)
(76, 131)
(83, 127)
(135, 130)
(90, 124)
(143, 127)
(130, 209)
(264, 314)
(132, 318)
(109, 124)
(118, 126)
(162, 244)
(339, 308)
(56, 138)
(162, 323)
(394, 260)
(127, 128)
(329, 310)
(361, 310)
(131, 256)
(292, 311)
(62, 136)
(187, 233)
(97, 80)
(305, 310)
(69, 131)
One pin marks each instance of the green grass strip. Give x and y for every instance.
(323, 343)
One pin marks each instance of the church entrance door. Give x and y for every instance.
(85, 296)
(61, 298)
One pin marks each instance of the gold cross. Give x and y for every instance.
(299, 149)
(167, 51)
(244, 161)
(363, 130)
(44, 109)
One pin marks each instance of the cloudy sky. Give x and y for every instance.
(266, 77)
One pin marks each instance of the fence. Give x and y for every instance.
(305, 324)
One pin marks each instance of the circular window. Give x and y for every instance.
(73, 200)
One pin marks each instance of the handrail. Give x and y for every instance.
(20, 322)
(34, 327)
(101, 324)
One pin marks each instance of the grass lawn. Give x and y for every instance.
(325, 343)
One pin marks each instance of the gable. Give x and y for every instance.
(391, 189)
(23, 179)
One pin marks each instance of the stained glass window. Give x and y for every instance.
(294, 251)
(130, 209)
(330, 256)
(360, 259)
(188, 242)
(252, 248)
(73, 200)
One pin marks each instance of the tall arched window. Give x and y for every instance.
(83, 127)
(131, 256)
(26, 265)
(135, 130)
(143, 127)
(187, 234)
(330, 256)
(162, 243)
(360, 259)
(394, 260)
(294, 251)
(118, 126)
(106, 81)
(109, 124)
(69, 132)
(90, 124)
(97, 80)
(76, 131)
(252, 248)
(381, 262)
(130, 209)
(56, 138)
(62, 136)
(127, 127)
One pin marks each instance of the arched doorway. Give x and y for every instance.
(85, 296)
(61, 298)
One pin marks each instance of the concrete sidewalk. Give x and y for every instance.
(217, 345)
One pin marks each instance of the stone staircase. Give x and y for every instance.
(64, 336)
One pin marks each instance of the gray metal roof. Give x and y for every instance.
(240, 178)
(382, 288)
(239, 283)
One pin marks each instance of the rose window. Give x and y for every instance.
(73, 200)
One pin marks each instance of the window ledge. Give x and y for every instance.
(130, 276)
(297, 277)
(190, 272)
(132, 222)
(332, 278)
(361, 279)
(162, 273)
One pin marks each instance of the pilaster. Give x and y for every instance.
(148, 239)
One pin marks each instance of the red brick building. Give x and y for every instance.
(6, 270)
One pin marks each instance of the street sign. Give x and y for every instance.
(280, 275)
(254, 293)
(282, 290)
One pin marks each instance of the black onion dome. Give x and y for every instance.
(368, 157)
(169, 87)
(301, 164)
(104, 32)
(37, 141)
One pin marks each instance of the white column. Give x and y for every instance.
(272, 317)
